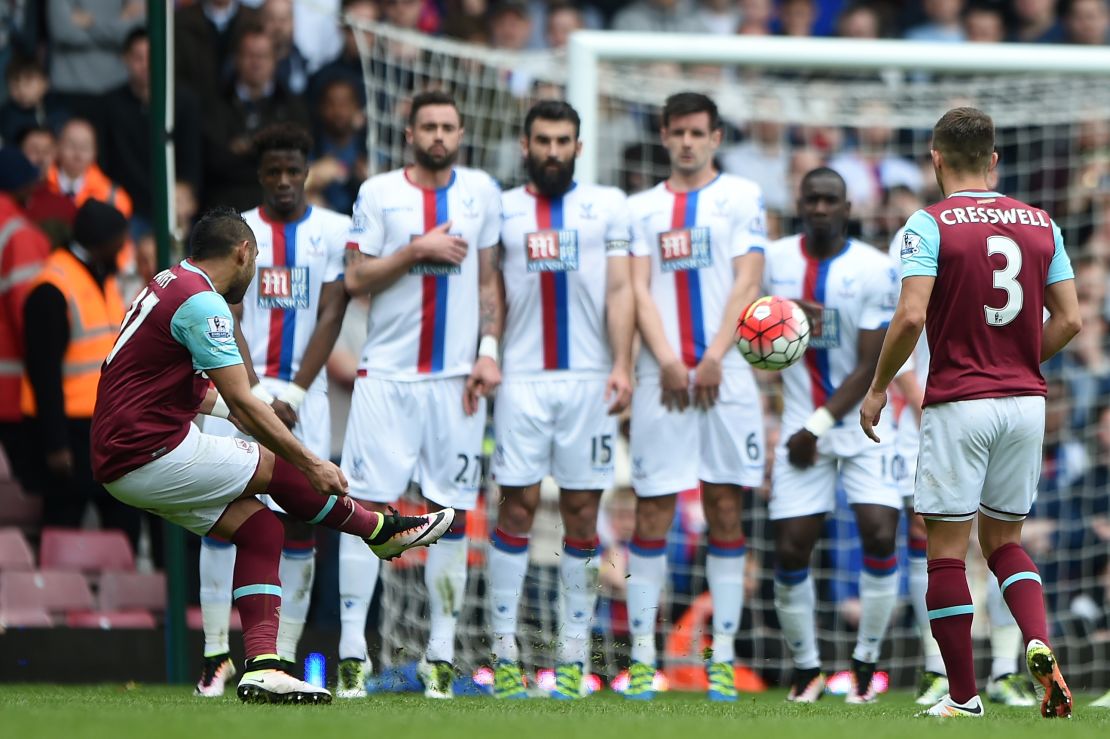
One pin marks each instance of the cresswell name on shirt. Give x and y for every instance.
(979, 214)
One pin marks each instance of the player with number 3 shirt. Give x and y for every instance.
(979, 270)
(698, 242)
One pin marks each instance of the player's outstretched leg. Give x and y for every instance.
(217, 563)
(445, 579)
(257, 595)
(1008, 685)
(950, 614)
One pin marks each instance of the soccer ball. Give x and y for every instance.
(772, 333)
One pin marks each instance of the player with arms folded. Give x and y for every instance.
(567, 362)
(851, 289)
(289, 321)
(423, 248)
(979, 269)
(176, 341)
(698, 241)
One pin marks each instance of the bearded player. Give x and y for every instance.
(698, 242)
(566, 361)
(423, 247)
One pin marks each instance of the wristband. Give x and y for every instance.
(487, 347)
(219, 408)
(293, 395)
(262, 394)
(820, 422)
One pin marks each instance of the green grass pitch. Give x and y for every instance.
(114, 712)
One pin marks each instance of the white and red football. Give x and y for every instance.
(772, 333)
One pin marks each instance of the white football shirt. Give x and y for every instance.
(426, 323)
(282, 302)
(692, 238)
(554, 266)
(858, 290)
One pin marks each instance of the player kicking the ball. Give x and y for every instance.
(979, 269)
(567, 361)
(290, 318)
(148, 454)
(698, 244)
(851, 290)
(422, 246)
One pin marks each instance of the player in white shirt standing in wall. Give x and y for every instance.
(852, 288)
(567, 356)
(698, 242)
(290, 318)
(423, 248)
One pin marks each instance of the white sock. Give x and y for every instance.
(647, 574)
(878, 594)
(725, 574)
(296, 571)
(795, 600)
(578, 575)
(1005, 633)
(217, 566)
(358, 576)
(919, 583)
(445, 578)
(506, 567)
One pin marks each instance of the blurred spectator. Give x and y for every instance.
(185, 208)
(764, 156)
(873, 167)
(292, 68)
(339, 161)
(1087, 22)
(859, 20)
(86, 39)
(510, 26)
(314, 33)
(796, 17)
(76, 174)
(253, 99)
(206, 35)
(24, 250)
(563, 19)
(51, 211)
(125, 131)
(943, 22)
(40, 146)
(720, 17)
(984, 24)
(348, 65)
(755, 17)
(403, 13)
(667, 16)
(1035, 22)
(589, 16)
(30, 103)
(71, 318)
(18, 28)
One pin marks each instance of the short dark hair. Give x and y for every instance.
(137, 34)
(688, 103)
(432, 97)
(28, 131)
(282, 137)
(965, 138)
(552, 110)
(217, 233)
(814, 174)
(20, 66)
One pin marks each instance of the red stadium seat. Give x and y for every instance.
(194, 620)
(25, 618)
(134, 619)
(54, 592)
(17, 508)
(123, 591)
(87, 551)
(15, 552)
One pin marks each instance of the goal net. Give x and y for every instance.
(869, 116)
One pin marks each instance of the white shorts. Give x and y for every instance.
(403, 431)
(980, 455)
(554, 427)
(671, 451)
(866, 477)
(313, 427)
(907, 440)
(192, 484)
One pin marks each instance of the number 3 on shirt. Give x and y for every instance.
(1005, 279)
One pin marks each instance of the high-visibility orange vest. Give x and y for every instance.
(94, 317)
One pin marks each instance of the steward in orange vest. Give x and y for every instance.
(71, 318)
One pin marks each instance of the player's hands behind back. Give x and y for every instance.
(439, 246)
